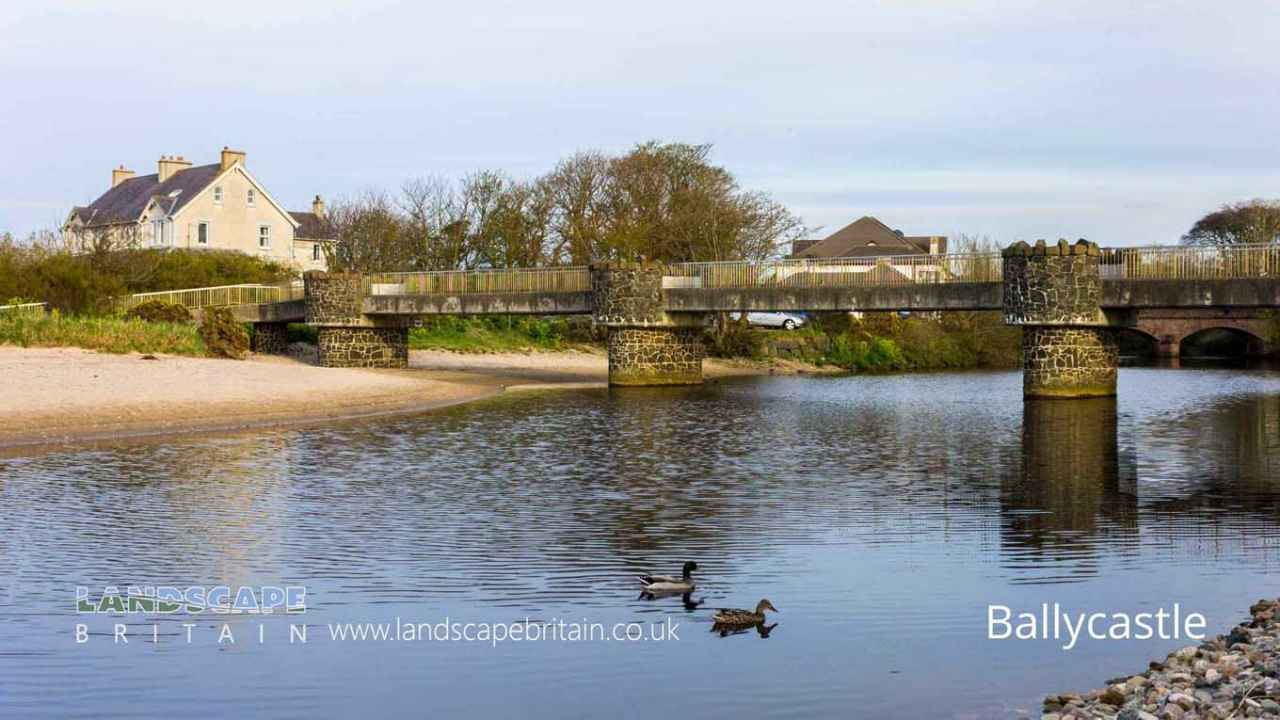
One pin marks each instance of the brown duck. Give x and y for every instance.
(740, 618)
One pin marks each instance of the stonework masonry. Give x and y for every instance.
(627, 294)
(334, 298)
(363, 347)
(1055, 293)
(647, 346)
(271, 338)
(655, 356)
(1068, 361)
(347, 338)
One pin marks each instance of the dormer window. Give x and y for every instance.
(251, 197)
(217, 195)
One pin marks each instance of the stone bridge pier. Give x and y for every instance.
(647, 345)
(1055, 293)
(348, 337)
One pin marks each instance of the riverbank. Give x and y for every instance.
(58, 396)
(1236, 675)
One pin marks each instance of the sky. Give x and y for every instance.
(1121, 122)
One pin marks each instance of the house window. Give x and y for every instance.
(202, 233)
(217, 195)
(250, 197)
(264, 236)
(315, 252)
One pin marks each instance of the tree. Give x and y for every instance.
(370, 236)
(659, 202)
(1254, 221)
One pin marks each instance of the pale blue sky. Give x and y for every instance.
(1121, 122)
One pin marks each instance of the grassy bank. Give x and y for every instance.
(103, 334)
(884, 342)
(497, 334)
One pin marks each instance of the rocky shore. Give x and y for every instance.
(1236, 675)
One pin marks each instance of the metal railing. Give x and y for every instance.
(221, 295)
(1220, 262)
(462, 282)
(1140, 263)
(839, 272)
(25, 309)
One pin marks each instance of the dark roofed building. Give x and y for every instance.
(868, 237)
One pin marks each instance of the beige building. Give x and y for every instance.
(214, 207)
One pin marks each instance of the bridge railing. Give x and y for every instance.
(221, 295)
(24, 309)
(1218, 262)
(890, 271)
(462, 282)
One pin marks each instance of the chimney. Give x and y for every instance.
(317, 207)
(231, 157)
(119, 175)
(171, 165)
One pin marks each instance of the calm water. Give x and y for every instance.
(880, 515)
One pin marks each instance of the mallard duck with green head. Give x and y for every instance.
(668, 584)
(733, 617)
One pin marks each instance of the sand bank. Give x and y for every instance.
(53, 396)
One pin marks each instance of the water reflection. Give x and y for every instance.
(1070, 495)
(883, 514)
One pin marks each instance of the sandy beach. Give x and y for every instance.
(55, 396)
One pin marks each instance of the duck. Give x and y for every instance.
(669, 584)
(736, 617)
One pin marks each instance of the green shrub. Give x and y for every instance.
(223, 334)
(158, 311)
(90, 284)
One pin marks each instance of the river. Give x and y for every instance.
(881, 515)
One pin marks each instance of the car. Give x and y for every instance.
(784, 320)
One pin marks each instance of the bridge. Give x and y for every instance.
(1070, 299)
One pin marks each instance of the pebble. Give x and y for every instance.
(1235, 675)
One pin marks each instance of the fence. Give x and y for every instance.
(1192, 263)
(1143, 263)
(222, 295)
(25, 309)
(461, 282)
(839, 272)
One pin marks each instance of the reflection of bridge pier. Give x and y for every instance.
(1071, 490)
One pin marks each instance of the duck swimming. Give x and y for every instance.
(737, 618)
(669, 584)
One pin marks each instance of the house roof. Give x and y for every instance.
(311, 227)
(866, 237)
(126, 201)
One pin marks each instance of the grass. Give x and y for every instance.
(103, 334)
(887, 342)
(492, 334)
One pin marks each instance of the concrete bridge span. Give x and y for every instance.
(1069, 299)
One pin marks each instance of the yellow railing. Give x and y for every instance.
(838, 272)
(222, 295)
(1192, 263)
(24, 309)
(462, 282)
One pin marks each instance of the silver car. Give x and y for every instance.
(786, 321)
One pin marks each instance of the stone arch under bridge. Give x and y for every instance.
(1169, 327)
